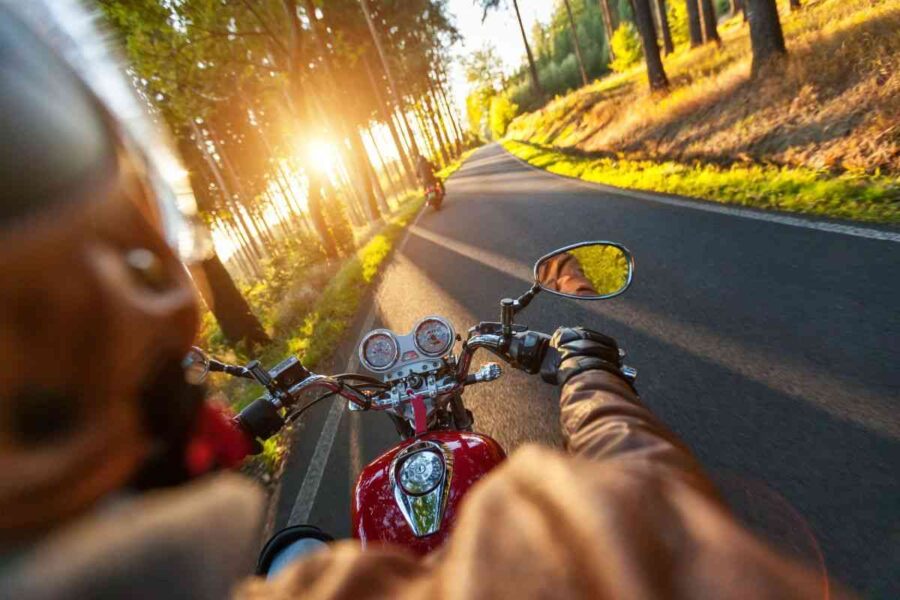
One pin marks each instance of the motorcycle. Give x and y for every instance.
(434, 195)
(411, 494)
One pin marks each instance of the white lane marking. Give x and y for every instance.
(710, 206)
(309, 489)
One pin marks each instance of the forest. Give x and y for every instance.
(788, 104)
(299, 123)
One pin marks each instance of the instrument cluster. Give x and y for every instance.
(383, 351)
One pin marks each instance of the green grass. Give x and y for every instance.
(791, 189)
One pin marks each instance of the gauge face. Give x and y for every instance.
(433, 336)
(379, 350)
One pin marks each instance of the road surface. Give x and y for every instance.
(771, 348)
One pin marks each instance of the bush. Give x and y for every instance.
(502, 112)
(626, 46)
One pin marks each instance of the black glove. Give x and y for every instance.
(573, 350)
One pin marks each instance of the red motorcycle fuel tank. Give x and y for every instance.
(384, 510)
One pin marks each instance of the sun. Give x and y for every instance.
(322, 155)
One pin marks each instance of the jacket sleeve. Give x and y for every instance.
(602, 418)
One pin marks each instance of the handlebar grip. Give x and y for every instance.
(527, 350)
(260, 419)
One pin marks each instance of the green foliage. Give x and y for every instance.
(477, 108)
(789, 189)
(604, 266)
(554, 49)
(626, 46)
(502, 112)
(678, 22)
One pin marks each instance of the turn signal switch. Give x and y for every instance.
(488, 372)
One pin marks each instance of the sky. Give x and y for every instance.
(500, 29)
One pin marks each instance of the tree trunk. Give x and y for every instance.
(577, 46)
(741, 6)
(766, 36)
(394, 178)
(359, 149)
(364, 4)
(237, 321)
(423, 130)
(317, 216)
(440, 135)
(385, 112)
(663, 20)
(532, 67)
(644, 20)
(710, 30)
(608, 28)
(695, 27)
(439, 114)
(460, 136)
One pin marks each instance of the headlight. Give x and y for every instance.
(421, 473)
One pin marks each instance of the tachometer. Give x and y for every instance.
(379, 350)
(434, 336)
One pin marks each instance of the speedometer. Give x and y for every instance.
(379, 350)
(434, 336)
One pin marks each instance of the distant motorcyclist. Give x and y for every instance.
(95, 313)
(426, 172)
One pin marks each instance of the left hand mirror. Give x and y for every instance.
(587, 270)
(196, 366)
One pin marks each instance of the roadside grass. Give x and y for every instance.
(846, 196)
(832, 105)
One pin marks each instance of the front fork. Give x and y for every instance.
(462, 417)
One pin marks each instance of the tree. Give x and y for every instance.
(795, 5)
(708, 13)
(224, 300)
(695, 26)
(766, 36)
(575, 43)
(644, 21)
(488, 5)
(662, 19)
(609, 26)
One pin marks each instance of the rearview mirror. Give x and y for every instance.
(196, 366)
(587, 270)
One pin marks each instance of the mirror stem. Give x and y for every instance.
(509, 308)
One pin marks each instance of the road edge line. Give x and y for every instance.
(714, 207)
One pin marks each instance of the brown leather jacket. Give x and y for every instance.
(630, 515)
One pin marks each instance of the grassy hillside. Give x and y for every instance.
(832, 110)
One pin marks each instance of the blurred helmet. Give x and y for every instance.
(96, 306)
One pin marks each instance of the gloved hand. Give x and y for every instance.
(573, 350)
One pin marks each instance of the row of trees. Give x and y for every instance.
(259, 92)
(581, 31)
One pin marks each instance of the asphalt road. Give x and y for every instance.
(772, 350)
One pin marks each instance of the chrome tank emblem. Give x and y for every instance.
(425, 466)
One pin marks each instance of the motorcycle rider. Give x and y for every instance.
(427, 173)
(95, 412)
